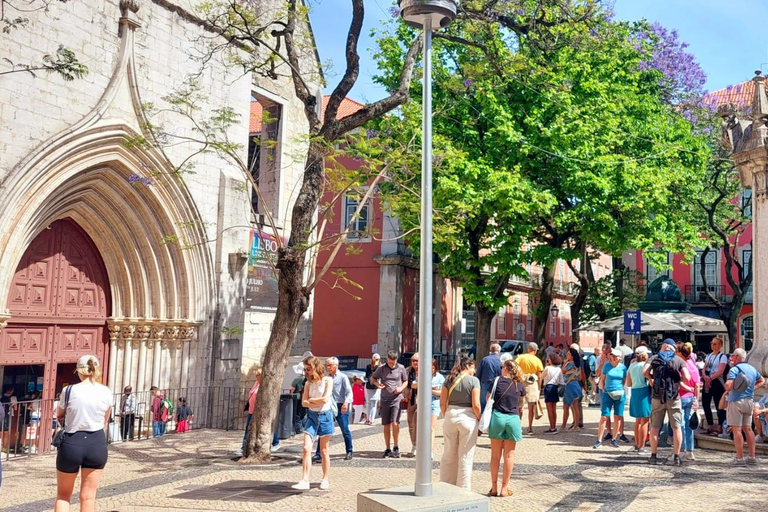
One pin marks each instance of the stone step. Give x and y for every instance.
(725, 445)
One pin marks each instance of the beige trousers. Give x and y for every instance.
(411, 416)
(459, 440)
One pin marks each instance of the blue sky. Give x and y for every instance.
(728, 38)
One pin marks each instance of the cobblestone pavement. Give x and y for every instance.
(195, 472)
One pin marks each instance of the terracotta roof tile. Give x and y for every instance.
(740, 94)
(347, 107)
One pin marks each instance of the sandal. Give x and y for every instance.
(491, 493)
(506, 494)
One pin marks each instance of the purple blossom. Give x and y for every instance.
(682, 76)
(468, 83)
(394, 12)
(135, 179)
(371, 134)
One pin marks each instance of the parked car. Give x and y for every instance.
(515, 347)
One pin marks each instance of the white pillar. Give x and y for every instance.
(113, 365)
(141, 378)
(156, 363)
(127, 360)
(186, 347)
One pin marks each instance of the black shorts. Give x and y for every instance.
(390, 411)
(82, 450)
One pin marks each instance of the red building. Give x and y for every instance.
(382, 312)
(688, 276)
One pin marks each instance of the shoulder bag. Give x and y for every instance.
(58, 437)
(485, 419)
(456, 383)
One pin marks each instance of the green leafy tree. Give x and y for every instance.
(583, 130)
(13, 16)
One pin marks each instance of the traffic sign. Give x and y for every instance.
(632, 322)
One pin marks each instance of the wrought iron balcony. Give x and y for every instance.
(697, 294)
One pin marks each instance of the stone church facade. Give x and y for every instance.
(104, 247)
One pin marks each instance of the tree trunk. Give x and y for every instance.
(541, 314)
(581, 297)
(483, 321)
(293, 301)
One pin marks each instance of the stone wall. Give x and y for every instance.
(133, 62)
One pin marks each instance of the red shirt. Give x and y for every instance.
(358, 394)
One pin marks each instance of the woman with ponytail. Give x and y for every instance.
(83, 411)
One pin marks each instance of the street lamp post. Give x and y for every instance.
(426, 14)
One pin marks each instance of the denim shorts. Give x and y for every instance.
(319, 424)
(435, 407)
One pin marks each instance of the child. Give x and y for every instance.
(358, 399)
(552, 379)
(184, 416)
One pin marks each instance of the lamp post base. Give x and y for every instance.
(444, 498)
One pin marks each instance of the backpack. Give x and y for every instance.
(166, 409)
(666, 379)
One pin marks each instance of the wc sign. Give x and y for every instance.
(632, 322)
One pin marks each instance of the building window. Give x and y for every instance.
(264, 151)
(529, 318)
(652, 273)
(501, 320)
(746, 261)
(710, 271)
(358, 224)
(748, 330)
(746, 202)
(562, 325)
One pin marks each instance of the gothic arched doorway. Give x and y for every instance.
(59, 302)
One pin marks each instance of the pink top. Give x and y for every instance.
(358, 394)
(252, 397)
(695, 379)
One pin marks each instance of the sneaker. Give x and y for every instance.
(301, 486)
(324, 485)
(737, 461)
(623, 438)
(239, 452)
(751, 461)
(614, 443)
(348, 456)
(317, 459)
(396, 453)
(274, 447)
(653, 460)
(413, 452)
(551, 432)
(689, 455)
(607, 437)
(682, 456)
(387, 453)
(597, 445)
(759, 439)
(677, 461)
(643, 450)
(529, 433)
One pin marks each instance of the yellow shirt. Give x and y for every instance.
(529, 363)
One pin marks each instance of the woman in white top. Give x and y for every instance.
(84, 411)
(317, 399)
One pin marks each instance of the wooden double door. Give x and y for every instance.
(59, 303)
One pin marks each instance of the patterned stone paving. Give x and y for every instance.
(552, 473)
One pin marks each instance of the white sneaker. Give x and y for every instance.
(239, 452)
(689, 455)
(274, 447)
(413, 452)
(324, 485)
(759, 439)
(302, 486)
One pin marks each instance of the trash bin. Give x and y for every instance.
(285, 417)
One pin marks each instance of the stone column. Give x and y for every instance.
(748, 139)
(127, 333)
(158, 333)
(114, 335)
(143, 333)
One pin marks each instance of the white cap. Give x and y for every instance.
(642, 349)
(616, 352)
(375, 356)
(82, 363)
(506, 356)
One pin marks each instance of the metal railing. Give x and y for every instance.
(29, 426)
(697, 294)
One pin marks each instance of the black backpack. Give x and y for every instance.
(666, 380)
